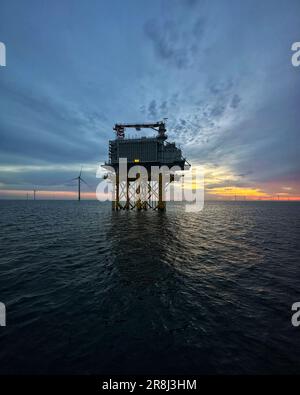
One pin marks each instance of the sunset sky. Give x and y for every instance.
(220, 71)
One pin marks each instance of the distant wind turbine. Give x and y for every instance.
(79, 179)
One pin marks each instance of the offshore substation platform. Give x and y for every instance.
(136, 192)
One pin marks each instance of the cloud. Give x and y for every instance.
(48, 130)
(152, 111)
(173, 42)
(235, 101)
(164, 107)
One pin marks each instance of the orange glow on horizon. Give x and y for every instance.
(238, 191)
(217, 193)
(46, 194)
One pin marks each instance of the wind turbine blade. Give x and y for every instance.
(85, 183)
(66, 182)
(80, 171)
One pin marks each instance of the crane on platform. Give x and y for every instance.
(159, 127)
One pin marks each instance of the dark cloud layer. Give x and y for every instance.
(219, 71)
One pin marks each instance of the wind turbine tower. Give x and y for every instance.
(79, 179)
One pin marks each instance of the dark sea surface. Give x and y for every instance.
(88, 290)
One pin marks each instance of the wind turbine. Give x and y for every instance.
(79, 179)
